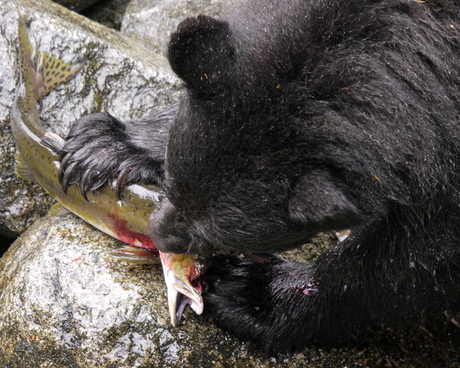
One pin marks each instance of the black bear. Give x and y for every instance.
(304, 116)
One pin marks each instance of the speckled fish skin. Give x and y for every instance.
(38, 159)
(125, 220)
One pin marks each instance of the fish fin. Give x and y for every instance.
(46, 70)
(22, 170)
(53, 141)
(136, 255)
(58, 210)
(55, 71)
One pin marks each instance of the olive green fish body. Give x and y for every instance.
(125, 219)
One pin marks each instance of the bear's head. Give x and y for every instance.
(242, 171)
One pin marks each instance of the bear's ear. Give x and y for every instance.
(316, 201)
(199, 52)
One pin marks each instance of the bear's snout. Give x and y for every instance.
(167, 230)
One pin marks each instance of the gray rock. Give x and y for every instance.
(152, 21)
(120, 77)
(65, 302)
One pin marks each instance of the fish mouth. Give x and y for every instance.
(182, 288)
(182, 274)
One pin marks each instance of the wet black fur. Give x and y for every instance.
(303, 116)
(99, 147)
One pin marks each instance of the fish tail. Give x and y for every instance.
(41, 71)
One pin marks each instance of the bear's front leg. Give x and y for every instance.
(262, 298)
(101, 148)
(389, 273)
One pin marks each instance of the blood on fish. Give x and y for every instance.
(130, 237)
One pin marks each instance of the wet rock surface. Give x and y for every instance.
(151, 21)
(66, 302)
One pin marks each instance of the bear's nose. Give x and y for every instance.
(168, 230)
